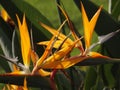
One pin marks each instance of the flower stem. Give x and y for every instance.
(52, 82)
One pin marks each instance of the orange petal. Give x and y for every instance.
(94, 20)
(12, 87)
(86, 25)
(61, 53)
(97, 55)
(17, 73)
(34, 57)
(46, 52)
(25, 84)
(56, 32)
(89, 25)
(25, 41)
(50, 44)
(44, 73)
(54, 57)
(63, 64)
(56, 44)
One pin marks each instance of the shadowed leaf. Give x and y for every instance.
(97, 61)
(5, 44)
(32, 81)
(115, 9)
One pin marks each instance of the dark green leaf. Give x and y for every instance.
(6, 28)
(116, 73)
(98, 61)
(76, 77)
(90, 79)
(63, 82)
(115, 9)
(32, 81)
(5, 44)
(108, 77)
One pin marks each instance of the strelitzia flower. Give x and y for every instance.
(25, 44)
(27, 52)
(25, 41)
(59, 59)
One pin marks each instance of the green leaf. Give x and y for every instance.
(63, 82)
(115, 9)
(6, 28)
(32, 80)
(76, 77)
(108, 77)
(115, 72)
(90, 79)
(105, 25)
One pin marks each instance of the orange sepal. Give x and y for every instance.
(25, 41)
(89, 25)
(97, 55)
(65, 63)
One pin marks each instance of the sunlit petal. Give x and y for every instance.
(17, 73)
(12, 87)
(51, 43)
(65, 63)
(56, 45)
(44, 73)
(25, 84)
(54, 57)
(25, 41)
(97, 55)
(93, 21)
(89, 25)
(56, 32)
(47, 51)
(86, 25)
(34, 57)
(61, 53)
